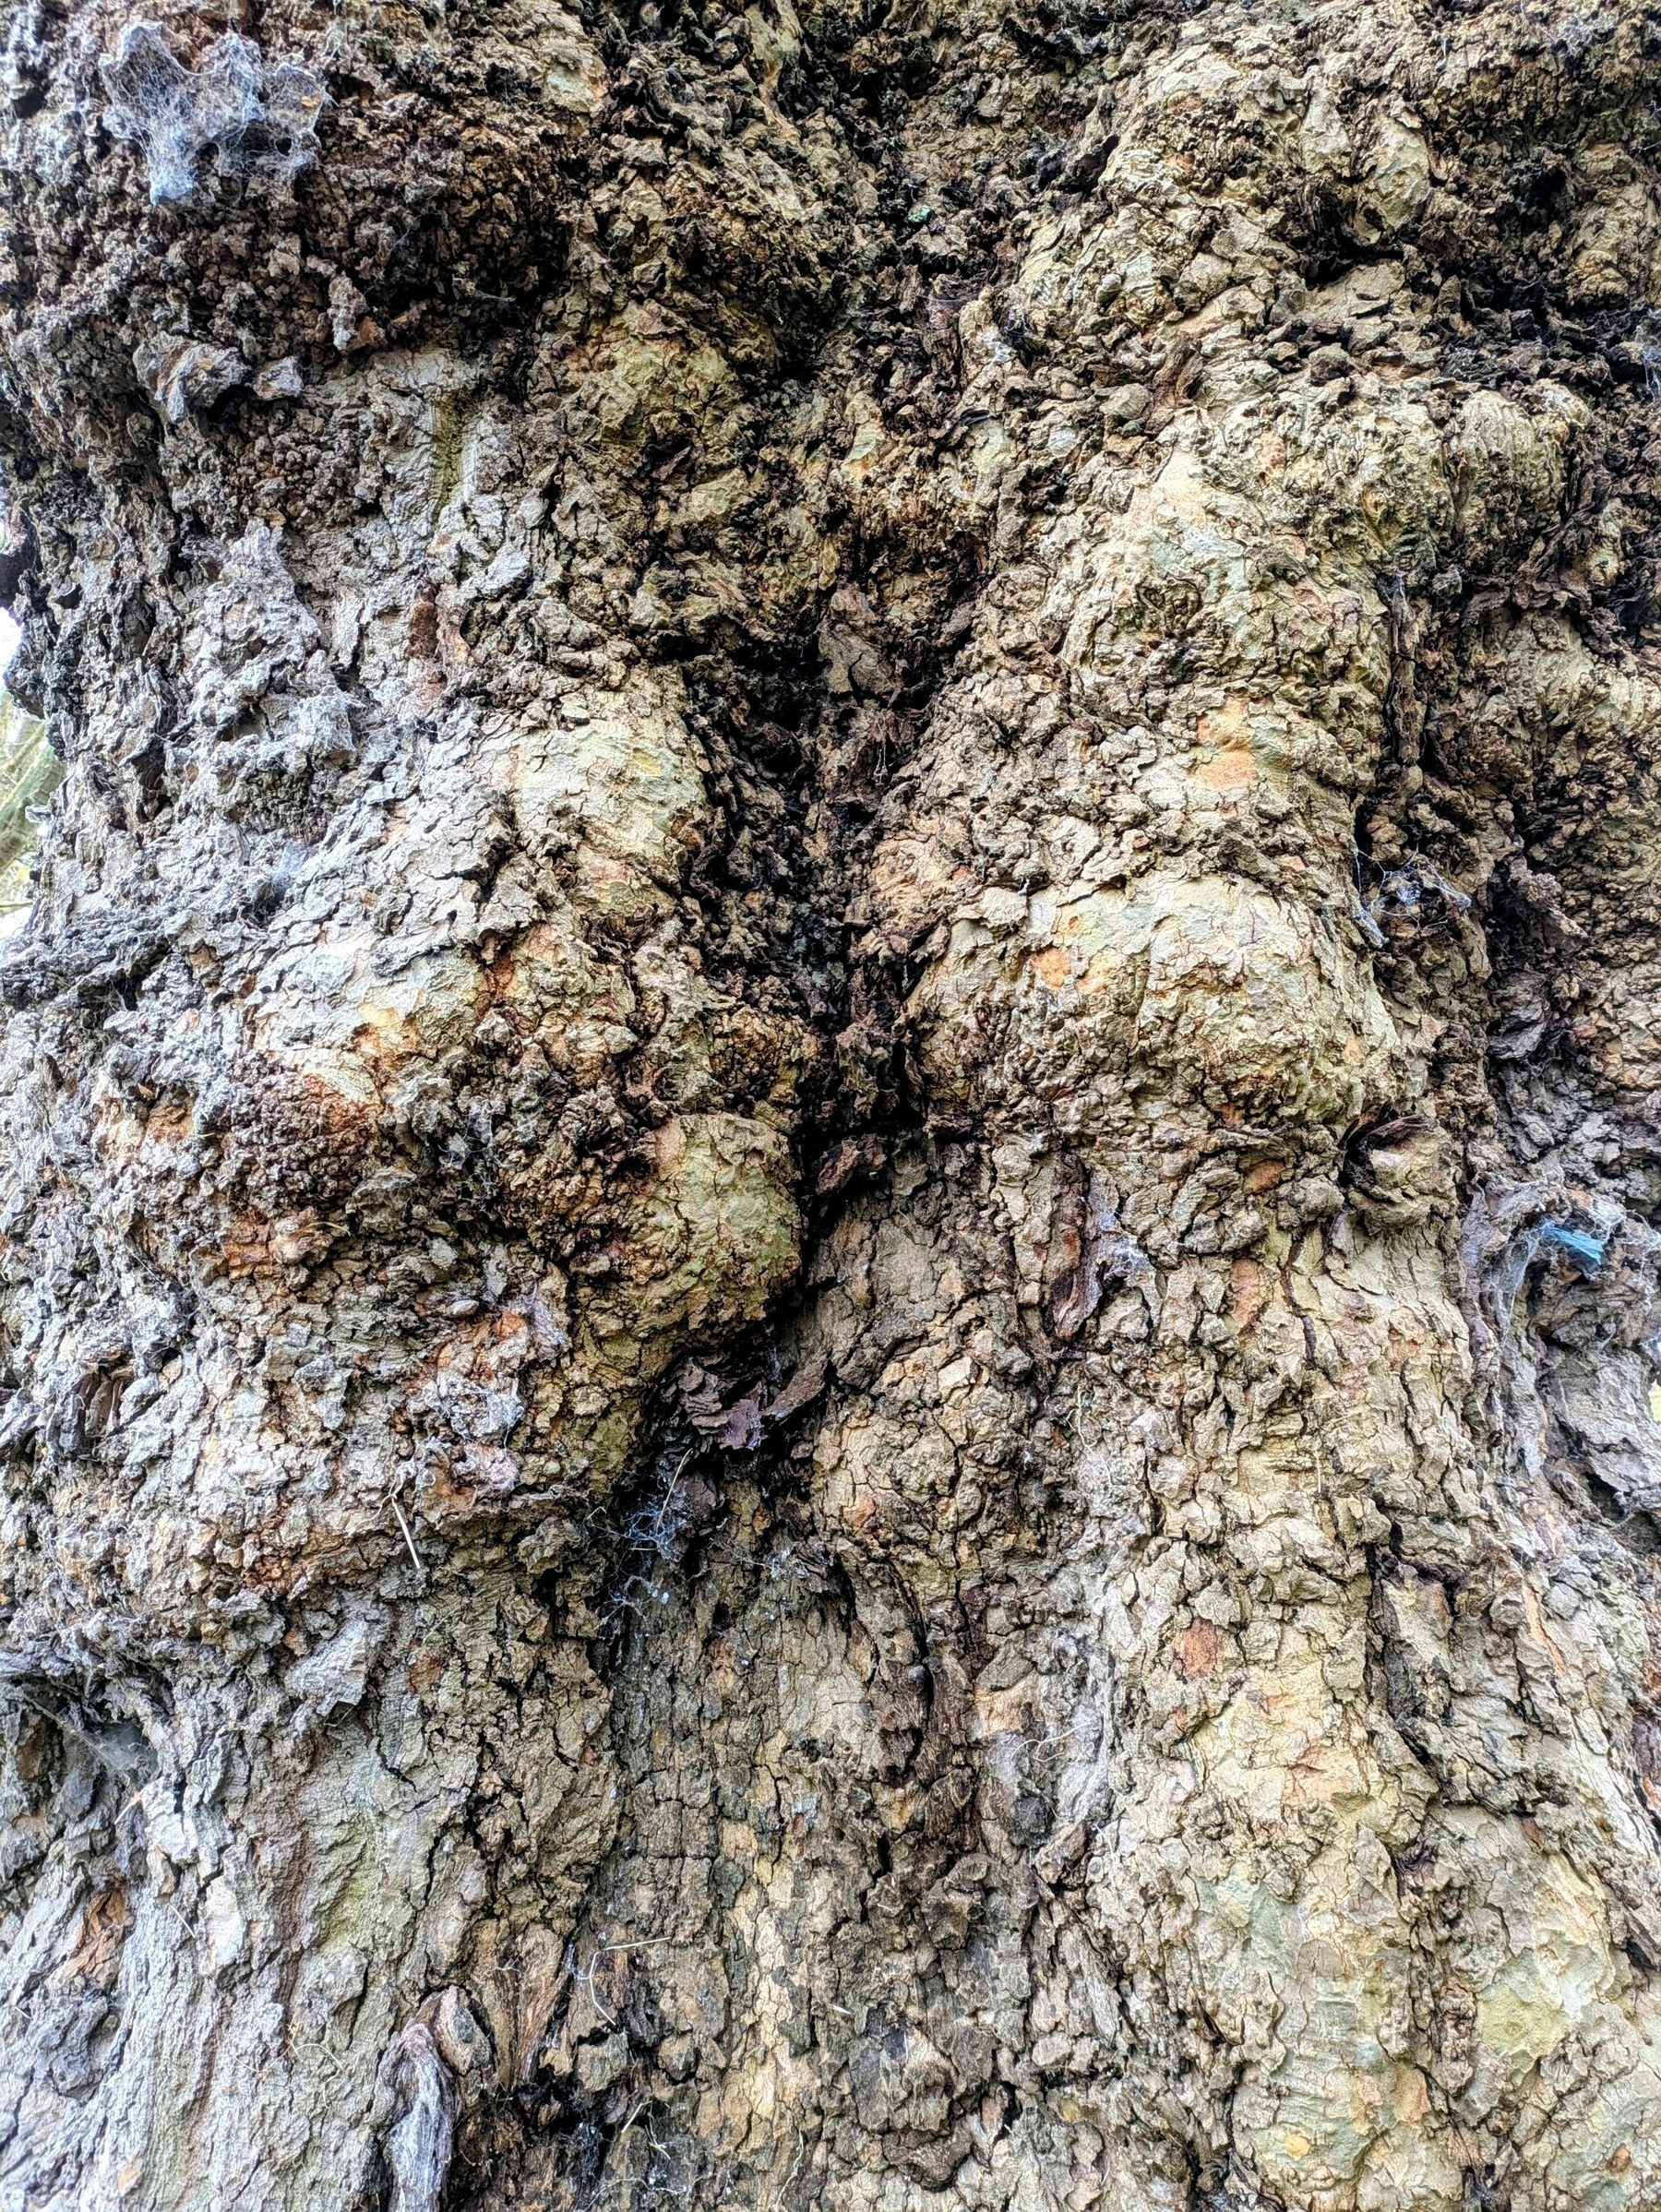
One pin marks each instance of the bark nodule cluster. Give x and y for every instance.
(829, 1245)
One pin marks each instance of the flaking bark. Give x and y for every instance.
(828, 1282)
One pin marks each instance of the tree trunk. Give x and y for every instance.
(830, 1120)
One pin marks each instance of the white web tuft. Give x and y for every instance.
(262, 121)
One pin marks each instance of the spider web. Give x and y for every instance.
(262, 121)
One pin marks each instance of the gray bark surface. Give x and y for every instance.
(829, 1283)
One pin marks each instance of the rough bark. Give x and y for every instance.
(829, 1123)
